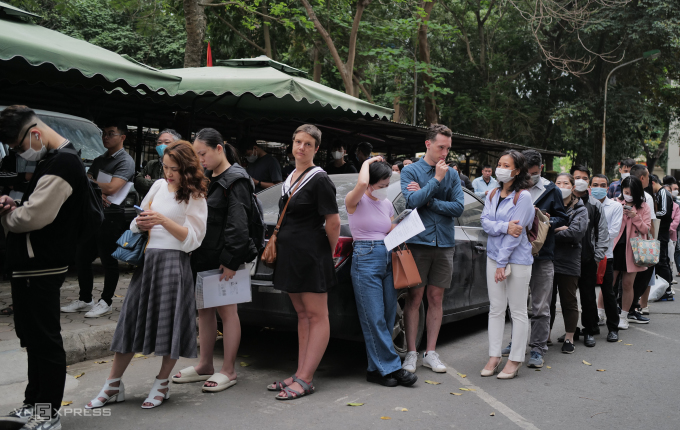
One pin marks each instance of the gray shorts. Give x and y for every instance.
(435, 265)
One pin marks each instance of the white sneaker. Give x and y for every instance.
(645, 311)
(410, 361)
(623, 321)
(431, 360)
(601, 317)
(99, 310)
(77, 306)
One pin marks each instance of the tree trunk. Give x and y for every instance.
(265, 28)
(431, 116)
(396, 102)
(194, 16)
(317, 62)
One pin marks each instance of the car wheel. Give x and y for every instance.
(399, 331)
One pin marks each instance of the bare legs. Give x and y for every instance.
(313, 334)
(414, 297)
(628, 280)
(207, 327)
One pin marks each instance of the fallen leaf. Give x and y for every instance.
(493, 414)
(619, 341)
(355, 404)
(119, 296)
(100, 362)
(404, 410)
(432, 382)
(457, 394)
(138, 356)
(385, 418)
(462, 375)
(79, 375)
(66, 402)
(244, 364)
(649, 350)
(538, 370)
(628, 344)
(601, 370)
(244, 356)
(219, 333)
(586, 363)
(548, 367)
(466, 389)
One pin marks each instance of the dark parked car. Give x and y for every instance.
(466, 297)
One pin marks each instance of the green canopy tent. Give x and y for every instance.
(31, 53)
(263, 88)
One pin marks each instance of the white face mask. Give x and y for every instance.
(580, 185)
(628, 198)
(675, 193)
(565, 193)
(251, 158)
(535, 179)
(380, 194)
(31, 154)
(624, 175)
(504, 175)
(338, 155)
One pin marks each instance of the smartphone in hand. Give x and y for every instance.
(138, 210)
(401, 216)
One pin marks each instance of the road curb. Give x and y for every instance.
(88, 343)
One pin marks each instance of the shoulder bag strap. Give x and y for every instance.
(493, 193)
(290, 196)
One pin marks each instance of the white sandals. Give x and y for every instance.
(189, 374)
(223, 382)
(155, 392)
(114, 398)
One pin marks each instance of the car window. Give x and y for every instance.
(472, 213)
(85, 136)
(343, 185)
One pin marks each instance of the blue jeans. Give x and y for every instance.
(376, 303)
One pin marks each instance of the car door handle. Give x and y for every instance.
(480, 248)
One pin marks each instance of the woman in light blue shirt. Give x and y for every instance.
(508, 211)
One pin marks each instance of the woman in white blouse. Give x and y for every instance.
(159, 312)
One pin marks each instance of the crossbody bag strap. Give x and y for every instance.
(297, 184)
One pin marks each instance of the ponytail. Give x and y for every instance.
(213, 139)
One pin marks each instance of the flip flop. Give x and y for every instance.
(291, 394)
(189, 374)
(278, 386)
(223, 382)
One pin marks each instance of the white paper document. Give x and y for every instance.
(211, 292)
(118, 197)
(409, 227)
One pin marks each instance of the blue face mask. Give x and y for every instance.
(161, 149)
(598, 193)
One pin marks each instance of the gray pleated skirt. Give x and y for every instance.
(159, 310)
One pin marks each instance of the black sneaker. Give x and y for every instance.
(404, 377)
(377, 378)
(613, 336)
(637, 318)
(568, 347)
(667, 297)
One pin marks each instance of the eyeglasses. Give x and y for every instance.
(110, 135)
(173, 169)
(18, 147)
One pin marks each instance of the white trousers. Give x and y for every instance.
(512, 292)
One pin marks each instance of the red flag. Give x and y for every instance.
(209, 56)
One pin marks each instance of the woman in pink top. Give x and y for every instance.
(636, 223)
(370, 220)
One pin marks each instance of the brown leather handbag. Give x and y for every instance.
(269, 253)
(404, 269)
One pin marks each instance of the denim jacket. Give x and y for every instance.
(501, 247)
(438, 203)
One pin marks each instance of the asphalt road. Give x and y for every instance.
(638, 389)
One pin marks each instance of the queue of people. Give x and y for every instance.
(197, 217)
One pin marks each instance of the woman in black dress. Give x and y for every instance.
(304, 264)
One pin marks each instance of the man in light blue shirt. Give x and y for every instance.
(433, 188)
(484, 183)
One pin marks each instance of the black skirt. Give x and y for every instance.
(620, 254)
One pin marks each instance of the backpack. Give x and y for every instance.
(256, 224)
(92, 214)
(538, 232)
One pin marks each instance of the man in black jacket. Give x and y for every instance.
(547, 198)
(41, 243)
(664, 212)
